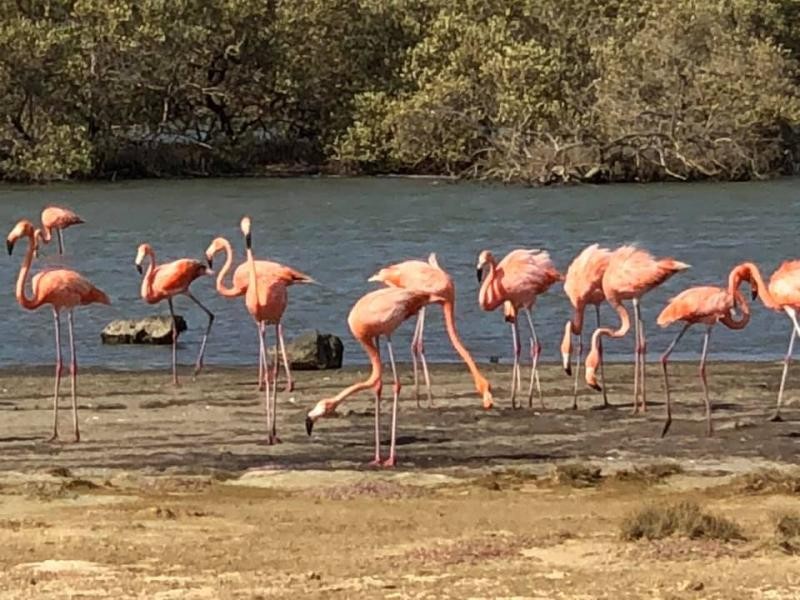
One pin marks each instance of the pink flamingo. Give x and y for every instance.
(268, 271)
(56, 218)
(430, 278)
(516, 281)
(708, 305)
(63, 290)
(164, 282)
(782, 294)
(583, 285)
(630, 274)
(376, 314)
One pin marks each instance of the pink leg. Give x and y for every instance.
(199, 363)
(709, 426)
(260, 366)
(376, 462)
(60, 241)
(59, 369)
(263, 358)
(787, 359)
(289, 380)
(392, 460)
(536, 350)
(642, 357)
(73, 371)
(274, 439)
(515, 368)
(602, 369)
(578, 356)
(636, 362)
(421, 350)
(414, 354)
(174, 343)
(664, 359)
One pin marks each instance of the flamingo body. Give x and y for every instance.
(56, 218)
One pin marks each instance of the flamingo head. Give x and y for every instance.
(380, 276)
(38, 238)
(324, 408)
(566, 348)
(217, 245)
(484, 258)
(141, 252)
(744, 272)
(23, 228)
(592, 362)
(245, 227)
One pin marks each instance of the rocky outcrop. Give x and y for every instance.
(312, 351)
(149, 330)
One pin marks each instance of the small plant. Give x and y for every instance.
(577, 475)
(770, 481)
(649, 474)
(683, 519)
(787, 532)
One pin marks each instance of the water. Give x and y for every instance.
(342, 230)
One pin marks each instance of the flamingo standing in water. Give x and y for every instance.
(56, 218)
(708, 305)
(376, 314)
(782, 294)
(630, 274)
(583, 285)
(516, 282)
(429, 278)
(164, 282)
(63, 290)
(271, 272)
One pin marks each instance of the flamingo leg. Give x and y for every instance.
(60, 241)
(706, 337)
(635, 359)
(260, 368)
(602, 369)
(787, 359)
(536, 350)
(414, 346)
(262, 357)
(286, 367)
(578, 356)
(515, 367)
(642, 357)
(199, 363)
(664, 359)
(59, 369)
(274, 439)
(73, 372)
(376, 462)
(421, 351)
(174, 343)
(392, 460)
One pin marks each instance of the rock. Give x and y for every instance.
(312, 351)
(150, 330)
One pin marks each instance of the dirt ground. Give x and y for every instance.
(173, 494)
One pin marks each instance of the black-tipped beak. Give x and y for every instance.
(10, 246)
(479, 273)
(568, 369)
(596, 387)
(139, 268)
(248, 241)
(210, 262)
(309, 425)
(754, 294)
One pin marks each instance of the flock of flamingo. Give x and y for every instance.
(595, 276)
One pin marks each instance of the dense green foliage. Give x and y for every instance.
(515, 90)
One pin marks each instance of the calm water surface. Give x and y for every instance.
(342, 230)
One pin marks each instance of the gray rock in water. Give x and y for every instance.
(150, 330)
(313, 351)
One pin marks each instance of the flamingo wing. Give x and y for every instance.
(64, 288)
(416, 275)
(784, 285)
(381, 311)
(584, 279)
(59, 217)
(697, 304)
(527, 271)
(176, 276)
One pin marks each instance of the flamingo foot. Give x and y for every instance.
(665, 429)
(53, 438)
(289, 386)
(776, 418)
(273, 439)
(595, 386)
(389, 462)
(376, 462)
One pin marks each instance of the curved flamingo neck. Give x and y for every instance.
(221, 287)
(742, 321)
(481, 384)
(577, 319)
(624, 325)
(374, 377)
(150, 274)
(24, 301)
(486, 298)
(46, 234)
(763, 291)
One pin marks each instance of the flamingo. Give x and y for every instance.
(516, 282)
(63, 290)
(164, 282)
(267, 270)
(430, 278)
(583, 285)
(630, 274)
(376, 314)
(58, 218)
(782, 294)
(708, 305)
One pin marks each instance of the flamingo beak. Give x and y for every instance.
(309, 425)
(210, 262)
(10, 246)
(248, 241)
(479, 273)
(754, 293)
(139, 268)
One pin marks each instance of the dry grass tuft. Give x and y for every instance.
(684, 519)
(771, 481)
(649, 474)
(384, 490)
(787, 532)
(578, 475)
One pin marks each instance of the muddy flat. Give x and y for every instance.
(173, 493)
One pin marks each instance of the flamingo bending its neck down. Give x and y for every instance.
(630, 274)
(164, 282)
(516, 282)
(63, 290)
(782, 294)
(376, 314)
(56, 218)
(266, 270)
(583, 285)
(429, 278)
(708, 305)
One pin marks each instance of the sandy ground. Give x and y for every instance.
(173, 494)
